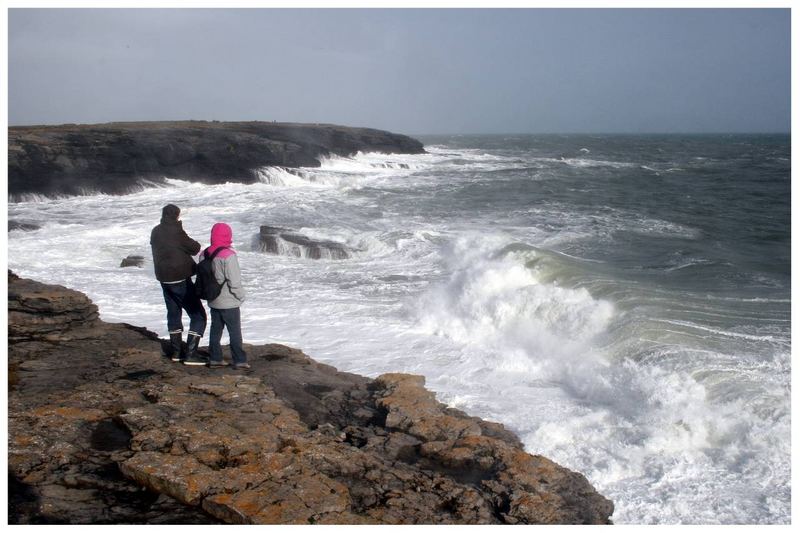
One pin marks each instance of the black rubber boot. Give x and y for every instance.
(176, 346)
(192, 342)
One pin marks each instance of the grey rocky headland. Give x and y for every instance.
(104, 429)
(117, 157)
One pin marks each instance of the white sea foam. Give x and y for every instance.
(284, 177)
(370, 162)
(582, 162)
(517, 329)
(727, 333)
(499, 298)
(690, 263)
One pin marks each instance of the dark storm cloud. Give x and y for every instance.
(413, 71)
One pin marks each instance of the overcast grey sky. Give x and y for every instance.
(410, 71)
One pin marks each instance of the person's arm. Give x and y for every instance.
(189, 245)
(234, 277)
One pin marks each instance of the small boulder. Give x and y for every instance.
(132, 260)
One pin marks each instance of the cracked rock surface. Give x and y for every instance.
(104, 429)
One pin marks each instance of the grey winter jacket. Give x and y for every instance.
(226, 270)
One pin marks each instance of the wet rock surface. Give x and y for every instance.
(116, 157)
(104, 429)
(22, 226)
(132, 261)
(283, 241)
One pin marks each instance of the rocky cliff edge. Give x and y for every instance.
(104, 429)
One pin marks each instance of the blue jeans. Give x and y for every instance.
(180, 296)
(232, 319)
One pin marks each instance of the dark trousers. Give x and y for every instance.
(180, 296)
(232, 319)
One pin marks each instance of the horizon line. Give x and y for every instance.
(614, 133)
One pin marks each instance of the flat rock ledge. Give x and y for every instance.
(104, 429)
(283, 241)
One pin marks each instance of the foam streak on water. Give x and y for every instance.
(607, 298)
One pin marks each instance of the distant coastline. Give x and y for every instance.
(119, 157)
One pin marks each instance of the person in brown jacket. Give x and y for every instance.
(173, 252)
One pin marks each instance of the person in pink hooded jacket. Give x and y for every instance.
(225, 307)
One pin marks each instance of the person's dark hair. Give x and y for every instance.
(170, 212)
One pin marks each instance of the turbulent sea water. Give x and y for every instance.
(620, 302)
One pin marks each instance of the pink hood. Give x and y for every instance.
(221, 235)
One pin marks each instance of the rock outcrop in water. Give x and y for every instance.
(22, 226)
(104, 429)
(116, 157)
(282, 241)
(132, 261)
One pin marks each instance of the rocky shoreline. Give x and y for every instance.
(104, 429)
(119, 157)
